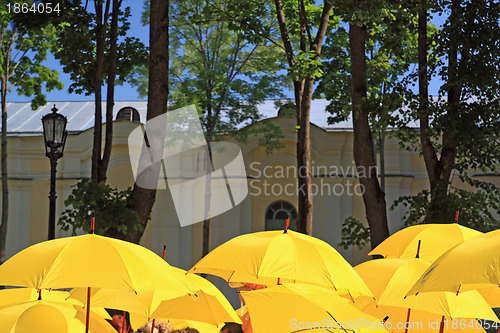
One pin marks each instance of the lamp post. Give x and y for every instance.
(54, 134)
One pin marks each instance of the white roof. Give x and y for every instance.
(22, 120)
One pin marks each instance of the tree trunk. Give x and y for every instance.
(144, 199)
(5, 181)
(303, 94)
(439, 170)
(110, 100)
(208, 199)
(373, 197)
(100, 46)
(304, 223)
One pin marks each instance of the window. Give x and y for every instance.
(277, 213)
(128, 113)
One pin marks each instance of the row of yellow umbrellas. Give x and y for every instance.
(90, 261)
(278, 259)
(305, 278)
(21, 311)
(304, 275)
(396, 282)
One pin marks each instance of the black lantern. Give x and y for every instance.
(54, 133)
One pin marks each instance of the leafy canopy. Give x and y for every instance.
(23, 49)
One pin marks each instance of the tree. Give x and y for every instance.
(94, 50)
(304, 70)
(373, 197)
(22, 51)
(144, 199)
(459, 130)
(302, 28)
(362, 69)
(224, 74)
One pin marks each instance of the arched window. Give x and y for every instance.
(277, 213)
(128, 113)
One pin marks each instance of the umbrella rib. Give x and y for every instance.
(230, 276)
(337, 321)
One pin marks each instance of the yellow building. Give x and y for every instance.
(272, 180)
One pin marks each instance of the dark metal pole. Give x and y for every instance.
(52, 195)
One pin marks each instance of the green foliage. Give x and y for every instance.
(221, 71)
(477, 209)
(306, 67)
(391, 45)
(472, 122)
(23, 49)
(77, 47)
(354, 233)
(110, 206)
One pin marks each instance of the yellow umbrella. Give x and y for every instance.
(428, 240)
(48, 316)
(390, 280)
(473, 264)
(491, 295)
(90, 261)
(300, 307)
(201, 307)
(147, 305)
(20, 295)
(23, 295)
(273, 257)
(206, 305)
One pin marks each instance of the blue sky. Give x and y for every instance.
(122, 93)
(126, 92)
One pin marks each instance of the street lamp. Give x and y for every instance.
(54, 134)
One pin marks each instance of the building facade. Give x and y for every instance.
(271, 181)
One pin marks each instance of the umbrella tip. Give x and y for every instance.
(287, 224)
(418, 248)
(92, 225)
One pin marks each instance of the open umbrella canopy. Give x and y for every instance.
(473, 264)
(273, 257)
(391, 279)
(22, 295)
(428, 240)
(207, 304)
(200, 306)
(144, 306)
(304, 307)
(89, 261)
(48, 316)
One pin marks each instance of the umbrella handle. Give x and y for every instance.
(88, 311)
(408, 320)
